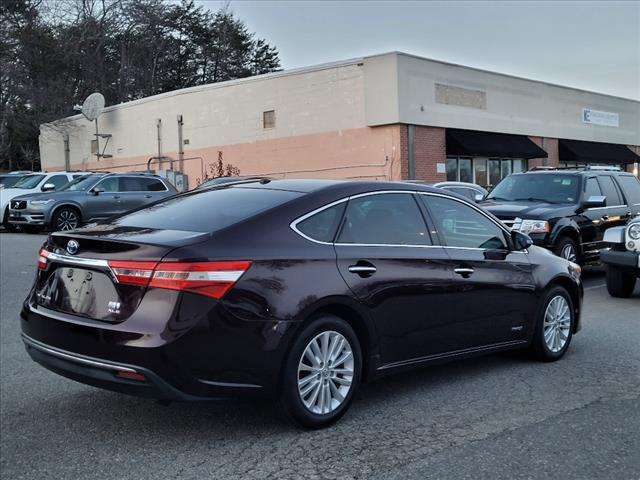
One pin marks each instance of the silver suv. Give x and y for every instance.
(623, 258)
(90, 198)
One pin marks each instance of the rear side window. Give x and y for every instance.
(323, 225)
(153, 185)
(631, 188)
(384, 219)
(610, 191)
(141, 184)
(592, 188)
(207, 211)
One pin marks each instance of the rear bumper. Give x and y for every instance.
(102, 373)
(625, 260)
(201, 361)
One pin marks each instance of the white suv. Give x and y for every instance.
(33, 183)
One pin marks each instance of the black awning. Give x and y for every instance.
(487, 144)
(595, 152)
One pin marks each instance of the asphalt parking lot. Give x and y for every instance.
(501, 416)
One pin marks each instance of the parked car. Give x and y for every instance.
(35, 182)
(87, 199)
(622, 260)
(473, 192)
(8, 180)
(295, 290)
(566, 211)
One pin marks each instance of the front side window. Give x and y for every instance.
(110, 184)
(58, 180)
(323, 225)
(81, 184)
(610, 191)
(592, 188)
(462, 226)
(384, 219)
(538, 187)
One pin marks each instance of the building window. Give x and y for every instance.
(269, 119)
(482, 171)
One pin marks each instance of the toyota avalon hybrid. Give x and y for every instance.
(294, 290)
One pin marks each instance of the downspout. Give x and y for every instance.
(180, 145)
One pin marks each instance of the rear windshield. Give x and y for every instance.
(538, 187)
(207, 211)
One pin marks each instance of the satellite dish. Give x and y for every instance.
(92, 106)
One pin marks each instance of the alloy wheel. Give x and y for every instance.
(325, 372)
(568, 252)
(557, 322)
(67, 220)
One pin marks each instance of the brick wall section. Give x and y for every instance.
(404, 152)
(430, 148)
(549, 145)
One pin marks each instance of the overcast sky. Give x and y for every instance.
(589, 45)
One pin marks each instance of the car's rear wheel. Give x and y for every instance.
(620, 283)
(567, 249)
(321, 373)
(554, 325)
(66, 218)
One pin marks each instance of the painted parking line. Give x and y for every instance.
(596, 286)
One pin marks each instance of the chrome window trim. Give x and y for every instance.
(294, 223)
(603, 208)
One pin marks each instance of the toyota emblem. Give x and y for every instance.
(72, 247)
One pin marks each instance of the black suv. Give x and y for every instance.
(566, 211)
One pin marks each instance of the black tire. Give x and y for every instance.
(290, 401)
(563, 246)
(620, 284)
(539, 346)
(62, 219)
(8, 227)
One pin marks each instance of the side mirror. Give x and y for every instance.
(48, 187)
(479, 197)
(96, 191)
(521, 241)
(595, 201)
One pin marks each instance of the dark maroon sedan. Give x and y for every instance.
(296, 290)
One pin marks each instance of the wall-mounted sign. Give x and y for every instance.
(598, 117)
(441, 168)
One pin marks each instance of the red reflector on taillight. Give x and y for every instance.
(206, 278)
(131, 375)
(42, 259)
(132, 272)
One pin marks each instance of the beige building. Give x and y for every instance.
(389, 116)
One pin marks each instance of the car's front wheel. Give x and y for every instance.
(66, 218)
(620, 283)
(322, 372)
(554, 325)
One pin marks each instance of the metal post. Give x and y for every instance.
(180, 146)
(158, 125)
(67, 159)
(97, 141)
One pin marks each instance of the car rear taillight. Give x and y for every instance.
(42, 259)
(132, 273)
(205, 278)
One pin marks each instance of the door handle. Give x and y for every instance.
(466, 272)
(363, 270)
(147, 196)
(116, 196)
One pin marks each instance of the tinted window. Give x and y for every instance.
(387, 219)
(132, 184)
(58, 180)
(552, 188)
(323, 225)
(592, 188)
(207, 211)
(462, 226)
(108, 185)
(9, 180)
(465, 192)
(631, 188)
(153, 185)
(30, 181)
(609, 190)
